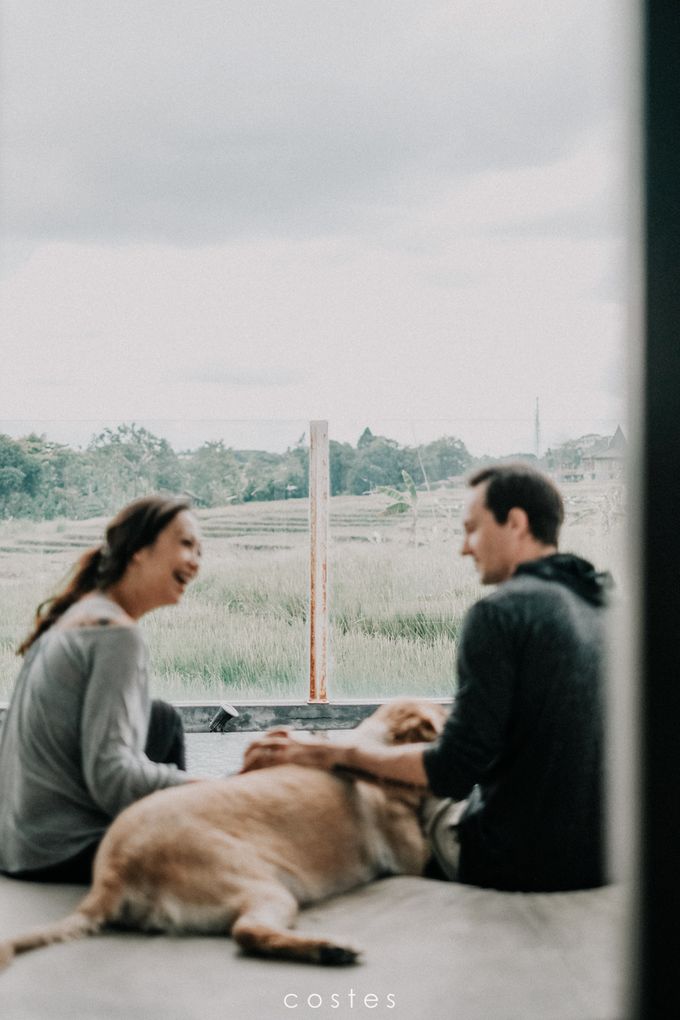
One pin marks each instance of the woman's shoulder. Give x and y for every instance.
(89, 630)
(95, 610)
(101, 633)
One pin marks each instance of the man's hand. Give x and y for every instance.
(402, 763)
(279, 747)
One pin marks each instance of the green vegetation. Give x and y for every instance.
(40, 479)
(241, 631)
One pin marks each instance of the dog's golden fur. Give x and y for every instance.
(241, 854)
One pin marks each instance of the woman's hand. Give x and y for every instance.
(279, 747)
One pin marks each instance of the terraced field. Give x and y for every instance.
(396, 602)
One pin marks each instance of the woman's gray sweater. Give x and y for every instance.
(72, 748)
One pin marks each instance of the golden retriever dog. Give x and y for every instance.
(240, 855)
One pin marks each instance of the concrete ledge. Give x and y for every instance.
(439, 949)
(264, 714)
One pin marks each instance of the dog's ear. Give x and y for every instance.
(412, 724)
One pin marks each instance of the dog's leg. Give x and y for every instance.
(260, 929)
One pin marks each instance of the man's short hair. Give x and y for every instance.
(510, 485)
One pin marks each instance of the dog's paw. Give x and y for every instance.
(331, 955)
(6, 954)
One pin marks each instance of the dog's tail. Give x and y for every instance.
(89, 917)
(259, 939)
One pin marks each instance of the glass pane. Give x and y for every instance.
(241, 629)
(399, 586)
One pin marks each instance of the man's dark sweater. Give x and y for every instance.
(526, 731)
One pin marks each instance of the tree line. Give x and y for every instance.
(42, 479)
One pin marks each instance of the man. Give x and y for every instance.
(524, 740)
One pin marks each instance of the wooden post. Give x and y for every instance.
(318, 560)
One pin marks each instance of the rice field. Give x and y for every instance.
(241, 632)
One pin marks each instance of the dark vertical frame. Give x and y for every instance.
(657, 992)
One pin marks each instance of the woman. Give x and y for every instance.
(81, 739)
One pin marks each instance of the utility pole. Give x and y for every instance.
(537, 432)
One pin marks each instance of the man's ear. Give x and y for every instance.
(519, 521)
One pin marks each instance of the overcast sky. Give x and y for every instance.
(371, 211)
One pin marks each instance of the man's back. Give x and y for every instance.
(527, 727)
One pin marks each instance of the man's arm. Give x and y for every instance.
(473, 737)
(475, 734)
(402, 764)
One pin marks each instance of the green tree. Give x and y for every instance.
(19, 478)
(61, 484)
(341, 458)
(378, 462)
(443, 458)
(129, 461)
(258, 468)
(291, 477)
(213, 474)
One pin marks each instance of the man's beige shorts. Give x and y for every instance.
(442, 833)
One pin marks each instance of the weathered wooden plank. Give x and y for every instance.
(318, 560)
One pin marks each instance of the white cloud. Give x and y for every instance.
(183, 123)
(354, 210)
(311, 329)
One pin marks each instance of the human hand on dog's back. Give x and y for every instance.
(280, 747)
(402, 763)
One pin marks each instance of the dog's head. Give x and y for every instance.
(404, 721)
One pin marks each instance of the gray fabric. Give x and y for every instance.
(72, 746)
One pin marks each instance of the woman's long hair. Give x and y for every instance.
(133, 528)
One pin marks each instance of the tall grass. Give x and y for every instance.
(241, 632)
